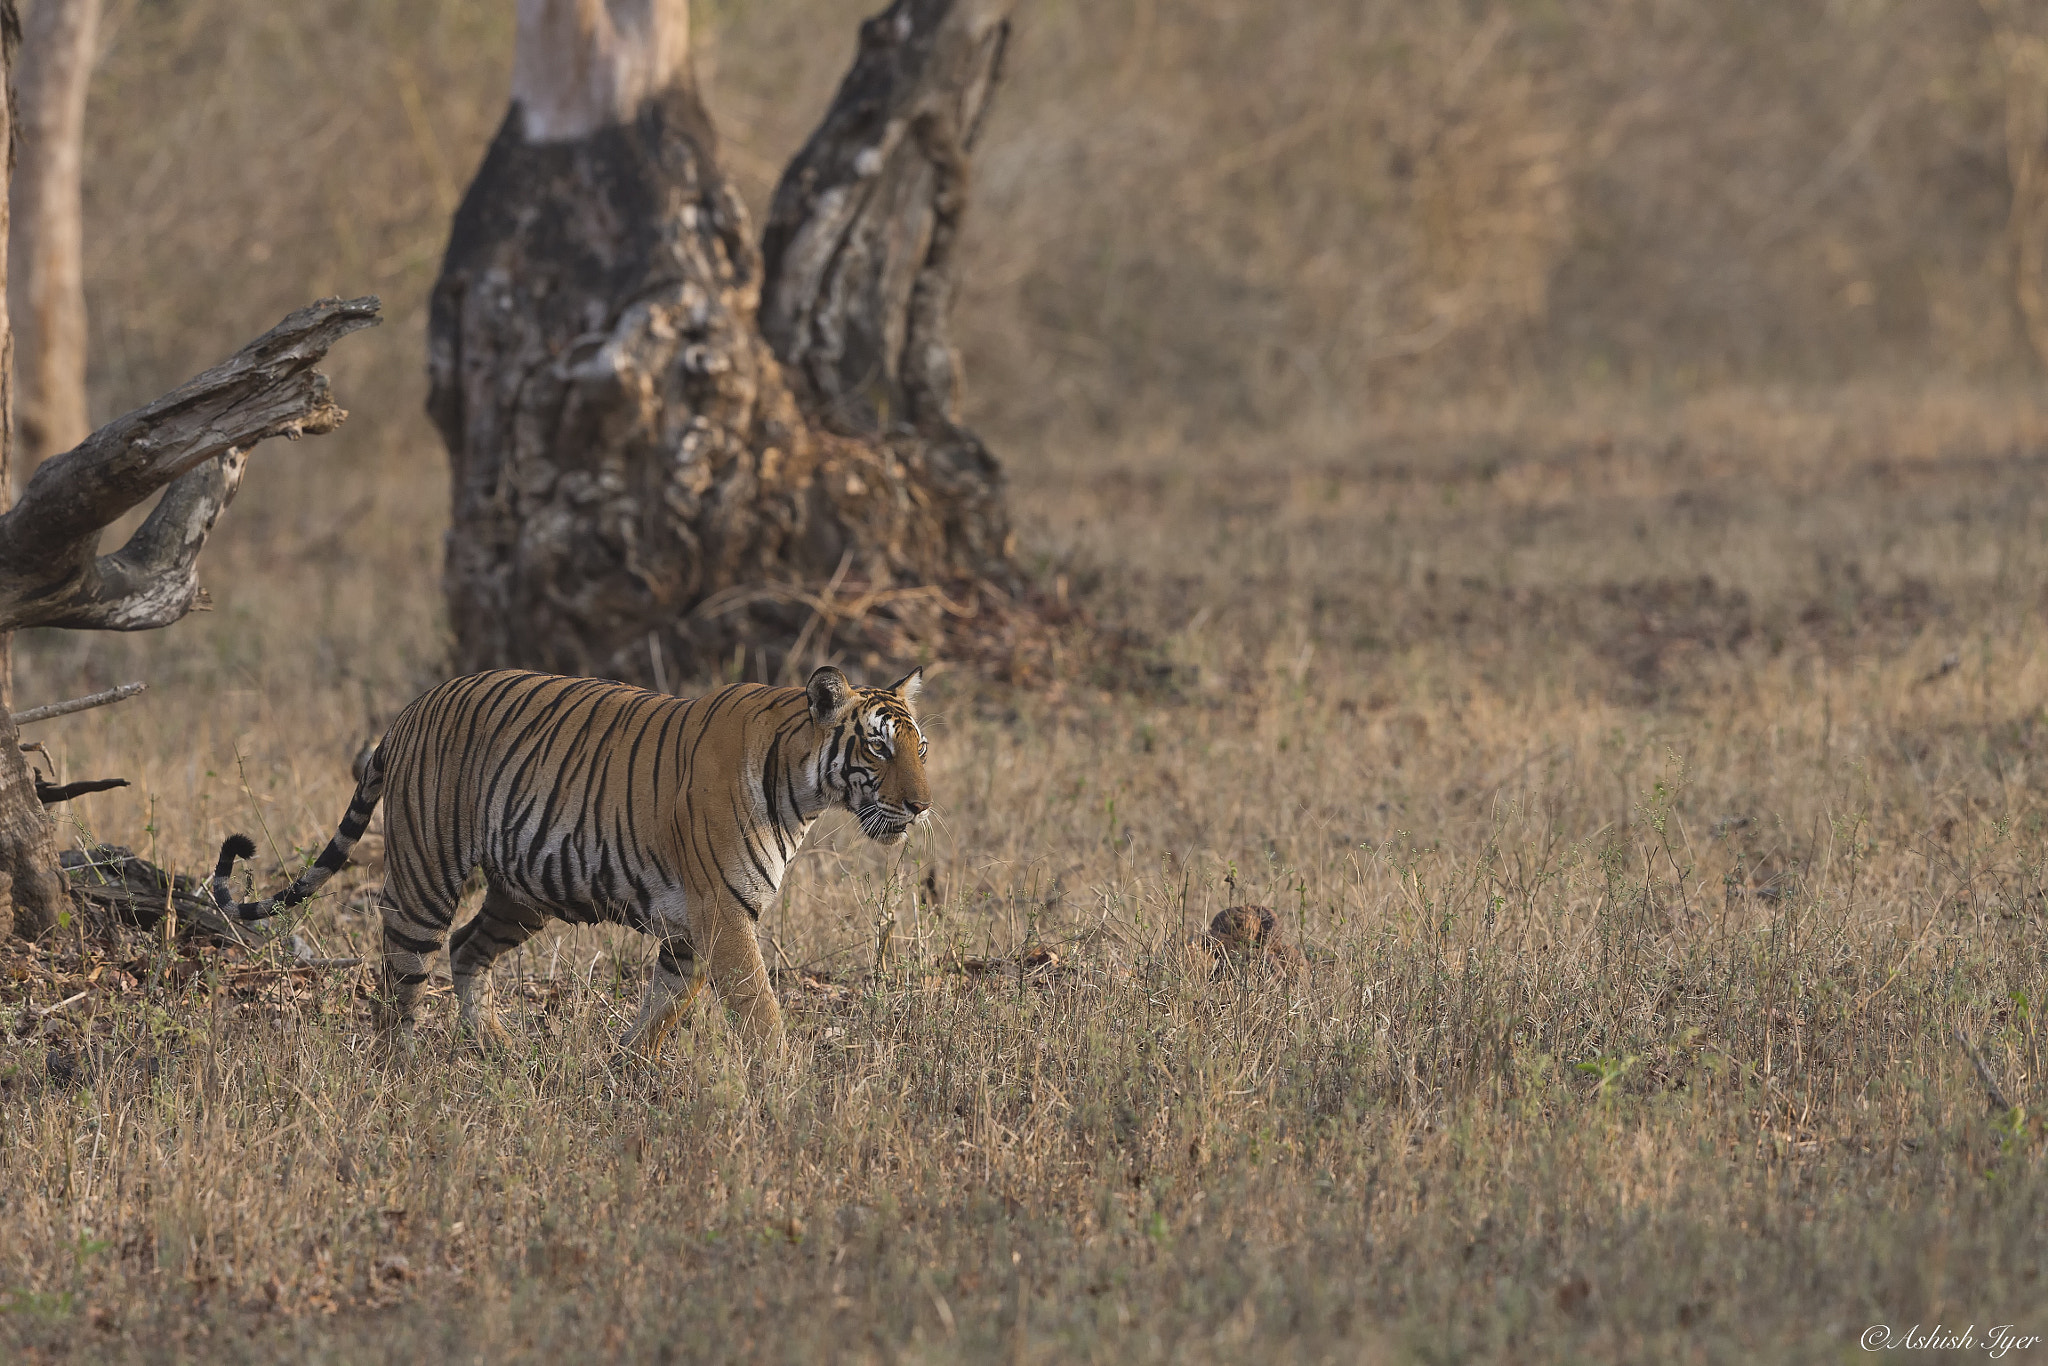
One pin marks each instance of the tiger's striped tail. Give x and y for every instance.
(369, 788)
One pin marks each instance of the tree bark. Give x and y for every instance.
(860, 247)
(28, 843)
(862, 253)
(582, 64)
(10, 47)
(47, 283)
(638, 490)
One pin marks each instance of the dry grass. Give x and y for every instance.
(1615, 763)
(1656, 749)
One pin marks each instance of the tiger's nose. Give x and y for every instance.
(917, 808)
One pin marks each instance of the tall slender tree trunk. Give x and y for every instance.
(639, 491)
(10, 46)
(34, 894)
(2025, 54)
(47, 284)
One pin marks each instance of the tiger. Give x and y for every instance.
(588, 800)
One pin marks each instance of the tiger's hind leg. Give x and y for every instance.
(499, 926)
(674, 985)
(409, 937)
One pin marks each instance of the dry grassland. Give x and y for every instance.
(1574, 484)
(1662, 791)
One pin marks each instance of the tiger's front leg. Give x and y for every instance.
(725, 933)
(670, 992)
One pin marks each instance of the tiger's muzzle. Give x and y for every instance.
(888, 822)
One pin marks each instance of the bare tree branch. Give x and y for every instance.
(50, 794)
(50, 711)
(154, 579)
(195, 439)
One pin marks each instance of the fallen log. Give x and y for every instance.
(139, 893)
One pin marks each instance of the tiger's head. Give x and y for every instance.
(873, 751)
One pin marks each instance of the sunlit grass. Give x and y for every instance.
(1645, 920)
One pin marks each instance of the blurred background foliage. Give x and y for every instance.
(1190, 219)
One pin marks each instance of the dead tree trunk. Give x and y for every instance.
(26, 838)
(47, 283)
(192, 444)
(639, 491)
(10, 45)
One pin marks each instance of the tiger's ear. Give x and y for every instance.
(908, 687)
(832, 696)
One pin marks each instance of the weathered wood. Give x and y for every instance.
(52, 710)
(579, 65)
(48, 277)
(50, 794)
(195, 439)
(633, 478)
(137, 892)
(28, 843)
(861, 254)
(860, 249)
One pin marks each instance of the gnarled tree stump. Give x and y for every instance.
(639, 489)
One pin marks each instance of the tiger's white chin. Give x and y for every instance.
(876, 823)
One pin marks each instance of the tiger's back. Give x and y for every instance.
(569, 793)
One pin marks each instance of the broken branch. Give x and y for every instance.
(196, 441)
(98, 699)
(49, 794)
(303, 955)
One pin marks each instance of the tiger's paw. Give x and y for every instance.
(643, 1046)
(487, 1036)
(396, 1045)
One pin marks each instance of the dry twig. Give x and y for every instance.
(86, 703)
(1992, 1090)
